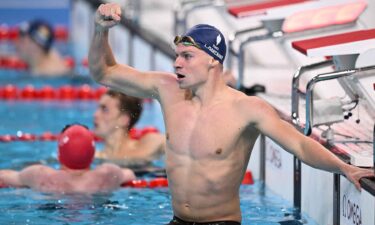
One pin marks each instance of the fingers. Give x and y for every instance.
(110, 11)
(361, 173)
(357, 185)
(118, 12)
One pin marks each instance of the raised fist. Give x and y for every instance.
(107, 15)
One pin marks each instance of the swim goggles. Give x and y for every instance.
(185, 40)
(72, 124)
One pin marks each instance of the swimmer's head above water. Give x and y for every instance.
(76, 147)
(40, 32)
(206, 38)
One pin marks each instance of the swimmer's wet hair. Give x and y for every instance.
(130, 105)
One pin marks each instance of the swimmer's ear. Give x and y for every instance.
(124, 120)
(213, 63)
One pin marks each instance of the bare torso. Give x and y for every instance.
(208, 149)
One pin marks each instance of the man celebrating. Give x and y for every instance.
(210, 127)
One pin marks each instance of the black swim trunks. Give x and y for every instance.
(178, 221)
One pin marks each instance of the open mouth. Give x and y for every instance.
(180, 76)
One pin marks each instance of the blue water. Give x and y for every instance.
(37, 117)
(126, 206)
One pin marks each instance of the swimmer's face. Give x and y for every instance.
(191, 66)
(108, 118)
(25, 47)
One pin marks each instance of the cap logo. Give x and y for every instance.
(209, 39)
(218, 39)
(64, 140)
(43, 33)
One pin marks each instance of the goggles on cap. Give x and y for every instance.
(186, 40)
(72, 124)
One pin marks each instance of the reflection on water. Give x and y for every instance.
(126, 206)
(129, 206)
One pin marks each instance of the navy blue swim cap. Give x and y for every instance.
(39, 31)
(208, 38)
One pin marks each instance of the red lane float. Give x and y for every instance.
(159, 182)
(135, 133)
(66, 92)
(136, 184)
(7, 138)
(12, 62)
(12, 33)
(16, 63)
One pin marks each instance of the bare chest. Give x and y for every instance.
(197, 133)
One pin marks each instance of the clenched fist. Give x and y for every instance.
(107, 16)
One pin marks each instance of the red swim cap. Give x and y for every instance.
(76, 147)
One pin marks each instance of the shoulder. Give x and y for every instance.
(253, 108)
(167, 86)
(150, 139)
(37, 169)
(33, 174)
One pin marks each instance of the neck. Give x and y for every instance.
(74, 171)
(115, 141)
(36, 59)
(211, 90)
(48, 63)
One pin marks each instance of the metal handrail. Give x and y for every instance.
(324, 77)
(296, 93)
(309, 94)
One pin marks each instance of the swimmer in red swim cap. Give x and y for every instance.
(76, 150)
(76, 147)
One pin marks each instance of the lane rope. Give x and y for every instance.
(134, 133)
(162, 182)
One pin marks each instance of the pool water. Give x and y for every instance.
(37, 117)
(128, 206)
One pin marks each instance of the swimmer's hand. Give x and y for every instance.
(354, 174)
(107, 16)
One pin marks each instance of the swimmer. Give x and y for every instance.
(35, 47)
(115, 116)
(76, 149)
(210, 127)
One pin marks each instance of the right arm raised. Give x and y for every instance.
(107, 71)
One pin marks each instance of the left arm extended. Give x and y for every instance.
(10, 178)
(306, 149)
